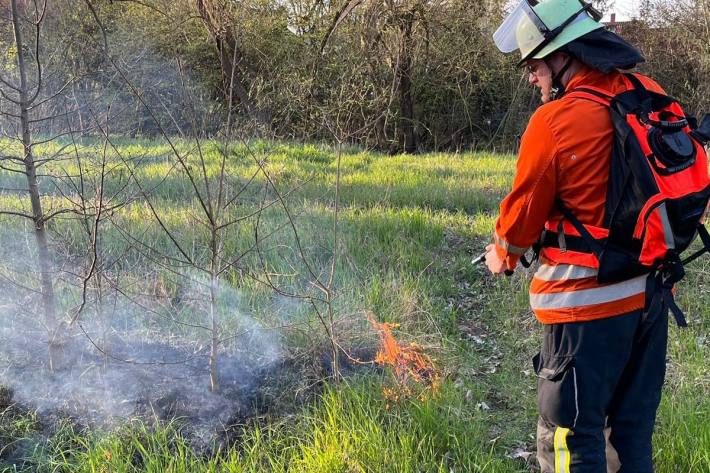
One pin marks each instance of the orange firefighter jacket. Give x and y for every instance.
(565, 153)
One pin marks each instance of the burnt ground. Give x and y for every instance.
(151, 382)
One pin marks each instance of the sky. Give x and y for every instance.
(624, 9)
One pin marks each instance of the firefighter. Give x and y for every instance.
(602, 361)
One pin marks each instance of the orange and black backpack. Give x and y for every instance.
(658, 191)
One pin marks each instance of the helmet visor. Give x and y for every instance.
(522, 29)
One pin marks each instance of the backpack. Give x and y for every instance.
(658, 191)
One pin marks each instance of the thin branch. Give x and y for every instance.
(137, 94)
(264, 207)
(16, 214)
(289, 216)
(134, 362)
(147, 200)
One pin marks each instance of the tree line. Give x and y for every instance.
(396, 75)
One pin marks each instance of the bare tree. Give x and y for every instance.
(61, 185)
(23, 90)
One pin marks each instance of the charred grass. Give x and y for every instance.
(409, 226)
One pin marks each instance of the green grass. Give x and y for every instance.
(351, 429)
(408, 226)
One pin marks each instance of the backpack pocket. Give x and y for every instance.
(669, 224)
(656, 234)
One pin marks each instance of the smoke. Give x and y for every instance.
(131, 353)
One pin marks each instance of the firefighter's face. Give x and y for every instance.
(542, 71)
(540, 75)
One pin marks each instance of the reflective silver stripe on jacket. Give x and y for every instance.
(516, 250)
(548, 272)
(584, 297)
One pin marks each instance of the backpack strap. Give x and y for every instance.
(646, 100)
(592, 242)
(635, 82)
(641, 91)
(594, 94)
(705, 238)
(659, 286)
(659, 289)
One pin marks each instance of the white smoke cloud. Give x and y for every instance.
(129, 363)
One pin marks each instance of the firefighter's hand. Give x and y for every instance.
(494, 263)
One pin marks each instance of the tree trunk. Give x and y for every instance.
(214, 309)
(383, 142)
(229, 58)
(214, 339)
(406, 102)
(43, 256)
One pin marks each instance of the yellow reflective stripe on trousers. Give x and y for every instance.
(562, 455)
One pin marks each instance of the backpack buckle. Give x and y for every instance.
(561, 237)
(672, 269)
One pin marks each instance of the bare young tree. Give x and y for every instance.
(23, 88)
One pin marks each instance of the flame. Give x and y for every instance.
(412, 369)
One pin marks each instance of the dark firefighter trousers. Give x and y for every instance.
(599, 388)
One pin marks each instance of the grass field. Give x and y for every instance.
(407, 229)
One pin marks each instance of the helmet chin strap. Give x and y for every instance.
(558, 88)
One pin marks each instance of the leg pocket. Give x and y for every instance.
(557, 389)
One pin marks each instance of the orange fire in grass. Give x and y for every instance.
(412, 369)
